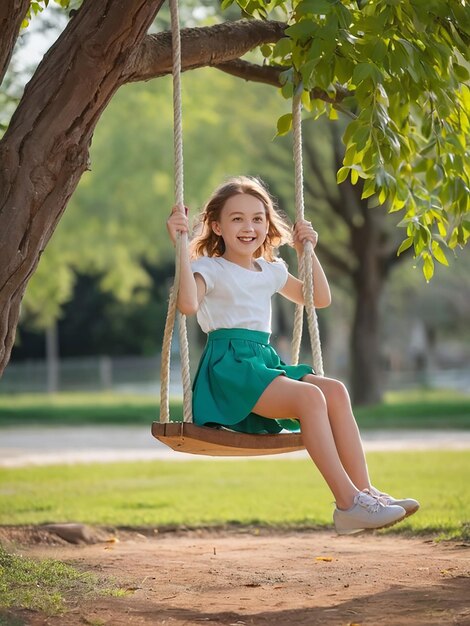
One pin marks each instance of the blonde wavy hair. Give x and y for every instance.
(205, 241)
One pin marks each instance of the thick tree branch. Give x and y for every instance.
(12, 13)
(205, 46)
(218, 46)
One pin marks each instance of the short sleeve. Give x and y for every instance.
(207, 268)
(280, 272)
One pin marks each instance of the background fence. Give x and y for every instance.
(141, 375)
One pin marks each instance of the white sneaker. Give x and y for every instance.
(367, 512)
(409, 504)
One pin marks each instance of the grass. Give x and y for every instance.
(418, 409)
(208, 493)
(80, 408)
(42, 585)
(411, 409)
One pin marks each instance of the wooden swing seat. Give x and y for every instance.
(193, 439)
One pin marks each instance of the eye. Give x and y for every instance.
(258, 218)
(236, 219)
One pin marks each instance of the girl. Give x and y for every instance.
(241, 383)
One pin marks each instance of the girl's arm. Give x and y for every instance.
(292, 290)
(192, 287)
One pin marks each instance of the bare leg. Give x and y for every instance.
(285, 398)
(344, 428)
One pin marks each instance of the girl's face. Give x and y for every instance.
(242, 224)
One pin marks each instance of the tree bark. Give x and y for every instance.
(368, 279)
(201, 47)
(12, 14)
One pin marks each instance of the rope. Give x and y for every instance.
(306, 258)
(181, 243)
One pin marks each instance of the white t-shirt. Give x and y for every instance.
(237, 297)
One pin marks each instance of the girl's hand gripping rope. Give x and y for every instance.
(177, 223)
(303, 232)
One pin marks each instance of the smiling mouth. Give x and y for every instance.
(247, 239)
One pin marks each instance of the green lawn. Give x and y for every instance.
(278, 491)
(221, 492)
(411, 409)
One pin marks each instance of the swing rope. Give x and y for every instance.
(305, 260)
(181, 239)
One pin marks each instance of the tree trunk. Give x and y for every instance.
(365, 343)
(369, 279)
(44, 152)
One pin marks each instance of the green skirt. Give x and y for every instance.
(235, 368)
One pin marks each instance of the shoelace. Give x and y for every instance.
(368, 501)
(383, 497)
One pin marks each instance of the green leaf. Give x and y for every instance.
(441, 228)
(382, 195)
(428, 267)
(344, 15)
(461, 72)
(284, 124)
(369, 189)
(350, 156)
(283, 47)
(308, 74)
(438, 253)
(315, 7)
(361, 72)
(266, 50)
(301, 30)
(379, 51)
(407, 243)
(343, 68)
(342, 175)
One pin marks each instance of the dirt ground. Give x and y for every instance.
(256, 577)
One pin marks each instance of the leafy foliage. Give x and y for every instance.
(37, 6)
(399, 71)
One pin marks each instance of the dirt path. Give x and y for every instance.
(258, 578)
